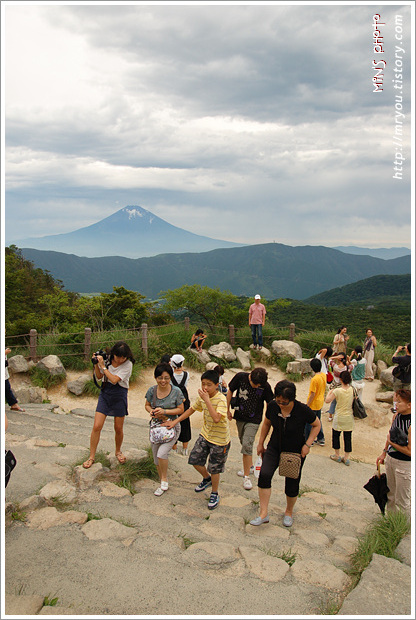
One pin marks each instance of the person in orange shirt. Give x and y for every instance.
(256, 319)
(316, 397)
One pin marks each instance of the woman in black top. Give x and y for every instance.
(288, 417)
(397, 457)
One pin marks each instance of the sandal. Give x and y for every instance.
(335, 458)
(121, 458)
(14, 408)
(88, 463)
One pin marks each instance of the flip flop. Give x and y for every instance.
(13, 408)
(121, 458)
(88, 463)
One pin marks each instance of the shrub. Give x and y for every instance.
(42, 378)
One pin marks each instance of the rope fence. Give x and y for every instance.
(87, 341)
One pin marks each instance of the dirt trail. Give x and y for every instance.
(368, 436)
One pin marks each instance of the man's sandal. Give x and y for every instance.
(88, 463)
(121, 458)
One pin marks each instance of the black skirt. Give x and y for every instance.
(185, 434)
(113, 400)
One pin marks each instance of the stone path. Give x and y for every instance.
(101, 550)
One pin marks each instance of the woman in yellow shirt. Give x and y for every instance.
(343, 417)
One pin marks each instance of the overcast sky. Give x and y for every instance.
(250, 123)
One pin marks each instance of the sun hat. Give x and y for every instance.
(177, 360)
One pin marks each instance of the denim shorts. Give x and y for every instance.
(217, 455)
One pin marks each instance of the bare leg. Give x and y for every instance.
(119, 435)
(290, 502)
(99, 420)
(264, 496)
(202, 470)
(247, 463)
(162, 468)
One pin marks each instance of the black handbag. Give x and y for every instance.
(358, 409)
(9, 464)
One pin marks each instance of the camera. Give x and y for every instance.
(94, 358)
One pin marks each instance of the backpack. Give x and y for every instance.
(181, 386)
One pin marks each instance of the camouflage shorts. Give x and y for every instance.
(204, 449)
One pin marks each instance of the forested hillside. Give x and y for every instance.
(367, 291)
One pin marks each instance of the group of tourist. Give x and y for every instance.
(288, 429)
(288, 425)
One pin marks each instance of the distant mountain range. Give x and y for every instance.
(368, 291)
(273, 270)
(132, 232)
(385, 253)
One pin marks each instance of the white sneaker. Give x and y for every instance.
(247, 483)
(241, 472)
(163, 487)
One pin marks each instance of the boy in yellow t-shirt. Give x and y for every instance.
(316, 397)
(213, 442)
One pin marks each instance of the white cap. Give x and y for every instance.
(257, 297)
(177, 360)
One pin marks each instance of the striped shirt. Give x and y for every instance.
(217, 433)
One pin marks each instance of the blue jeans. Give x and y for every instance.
(332, 406)
(257, 333)
(308, 427)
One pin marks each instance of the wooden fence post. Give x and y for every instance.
(186, 323)
(33, 336)
(143, 329)
(292, 331)
(87, 343)
(231, 332)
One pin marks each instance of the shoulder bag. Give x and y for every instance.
(358, 409)
(157, 433)
(289, 462)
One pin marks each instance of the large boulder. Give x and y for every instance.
(17, 364)
(30, 394)
(286, 348)
(52, 364)
(386, 377)
(385, 397)
(244, 358)
(302, 366)
(380, 367)
(223, 350)
(202, 356)
(77, 386)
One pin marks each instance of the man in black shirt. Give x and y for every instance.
(252, 391)
(402, 373)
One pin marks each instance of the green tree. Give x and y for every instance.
(28, 291)
(121, 308)
(211, 305)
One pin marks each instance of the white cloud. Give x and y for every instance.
(200, 113)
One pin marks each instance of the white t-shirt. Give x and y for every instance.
(179, 376)
(324, 363)
(123, 371)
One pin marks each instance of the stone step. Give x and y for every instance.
(144, 538)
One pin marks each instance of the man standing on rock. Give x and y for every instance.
(256, 318)
(253, 390)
